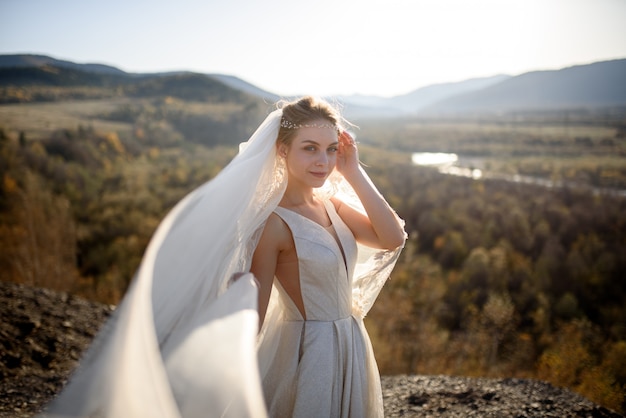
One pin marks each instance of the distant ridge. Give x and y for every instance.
(425, 96)
(242, 85)
(419, 99)
(50, 75)
(591, 86)
(600, 84)
(28, 60)
(182, 85)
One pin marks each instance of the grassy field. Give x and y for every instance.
(39, 120)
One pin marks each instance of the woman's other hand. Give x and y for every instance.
(348, 155)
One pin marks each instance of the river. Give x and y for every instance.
(473, 167)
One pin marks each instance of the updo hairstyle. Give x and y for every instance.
(305, 111)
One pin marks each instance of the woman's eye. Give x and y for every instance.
(333, 149)
(310, 148)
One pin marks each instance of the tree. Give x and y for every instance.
(39, 237)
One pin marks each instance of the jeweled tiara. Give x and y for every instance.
(290, 125)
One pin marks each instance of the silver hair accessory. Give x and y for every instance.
(290, 125)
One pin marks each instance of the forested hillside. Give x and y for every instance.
(497, 279)
(507, 279)
(500, 279)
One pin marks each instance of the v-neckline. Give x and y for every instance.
(311, 220)
(335, 237)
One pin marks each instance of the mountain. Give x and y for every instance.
(184, 86)
(29, 70)
(244, 86)
(601, 84)
(411, 103)
(26, 60)
(596, 85)
(187, 86)
(48, 75)
(425, 96)
(38, 70)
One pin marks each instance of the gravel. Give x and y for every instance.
(447, 396)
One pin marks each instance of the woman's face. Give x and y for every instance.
(312, 155)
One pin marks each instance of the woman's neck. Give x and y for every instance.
(296, 196)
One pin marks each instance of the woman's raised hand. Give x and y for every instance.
(348, 155)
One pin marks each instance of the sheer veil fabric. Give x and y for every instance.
(184, 341)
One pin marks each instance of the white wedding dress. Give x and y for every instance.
(184, 342)
(324, 365)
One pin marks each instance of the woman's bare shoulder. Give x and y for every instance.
(276, 231)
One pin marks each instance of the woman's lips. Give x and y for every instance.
(318, 174)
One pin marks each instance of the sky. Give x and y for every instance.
(324, 47)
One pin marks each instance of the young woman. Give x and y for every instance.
(323, 365)
(194, 336)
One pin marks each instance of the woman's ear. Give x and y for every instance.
(282, 150)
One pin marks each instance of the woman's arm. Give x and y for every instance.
(265, 259)
(380, 228)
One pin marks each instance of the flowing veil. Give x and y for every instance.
(184, 342)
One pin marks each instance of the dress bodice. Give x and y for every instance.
(325, 266)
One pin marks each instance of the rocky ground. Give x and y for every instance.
(42, 334)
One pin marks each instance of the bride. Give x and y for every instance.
(194, 336)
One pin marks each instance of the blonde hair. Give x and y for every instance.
(306, 111)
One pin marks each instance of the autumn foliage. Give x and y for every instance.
(497, 278)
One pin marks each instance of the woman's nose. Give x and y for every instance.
(322, 159)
